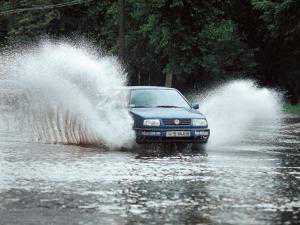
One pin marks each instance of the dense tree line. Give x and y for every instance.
(188, 43)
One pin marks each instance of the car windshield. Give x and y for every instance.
(149, 98)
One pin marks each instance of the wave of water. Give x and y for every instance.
(232, 109)
(64, 93)
(69, 93)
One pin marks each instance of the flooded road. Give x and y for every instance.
(255, 181)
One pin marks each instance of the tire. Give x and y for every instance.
(199, 147)
(181, 147)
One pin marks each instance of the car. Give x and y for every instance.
(163, 115)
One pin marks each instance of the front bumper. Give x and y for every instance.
(155, 135)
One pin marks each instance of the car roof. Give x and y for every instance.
(147, 87)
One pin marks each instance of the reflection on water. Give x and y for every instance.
(255, 182)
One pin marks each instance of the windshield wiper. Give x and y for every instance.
(167, 106)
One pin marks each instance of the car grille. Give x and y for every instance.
(181, 122)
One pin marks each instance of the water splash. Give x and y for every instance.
(64, 93)
(68, 93)
(233, 108)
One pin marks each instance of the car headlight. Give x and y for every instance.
(151, 122)
(199, 122)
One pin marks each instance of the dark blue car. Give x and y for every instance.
(163, 114)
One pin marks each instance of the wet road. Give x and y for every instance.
(256, 181)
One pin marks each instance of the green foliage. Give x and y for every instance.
(281, 18)
(278, 14)
(220, 31)
(186, 38)
(294, 109)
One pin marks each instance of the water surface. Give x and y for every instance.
(255, 181)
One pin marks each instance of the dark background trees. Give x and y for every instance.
(191, 43)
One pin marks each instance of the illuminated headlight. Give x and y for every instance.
(199, 122)
(151, 122)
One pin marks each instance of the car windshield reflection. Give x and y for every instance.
(152, 98)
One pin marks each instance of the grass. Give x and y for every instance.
(294, 109)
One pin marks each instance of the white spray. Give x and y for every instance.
(232, 108)
(65, 93)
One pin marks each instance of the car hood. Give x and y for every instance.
(165, 113)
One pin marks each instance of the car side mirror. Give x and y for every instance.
(195, 106)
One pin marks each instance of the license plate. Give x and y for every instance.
(178, 133)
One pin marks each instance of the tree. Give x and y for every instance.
(272, 28)
(182, 43)
(121, 37)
